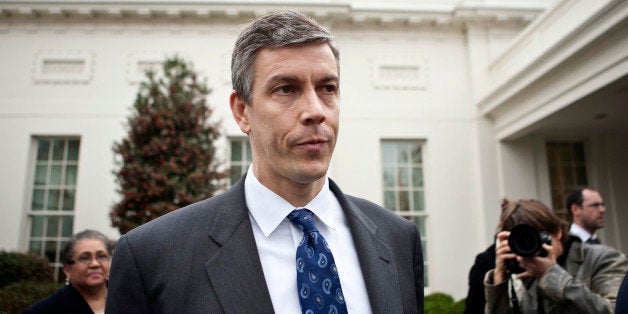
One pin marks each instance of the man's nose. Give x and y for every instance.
(313, 107)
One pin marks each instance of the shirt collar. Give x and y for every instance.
(269, 209)
(580, 232)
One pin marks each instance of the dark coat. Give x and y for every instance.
(203, 259)
(484, 262)
(66, 300)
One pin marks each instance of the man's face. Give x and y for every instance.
(292, 121)
(590, 215)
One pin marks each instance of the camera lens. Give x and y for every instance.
(525, 240)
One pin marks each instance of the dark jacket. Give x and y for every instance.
(66, 300)
(203, 259)
(484, 262)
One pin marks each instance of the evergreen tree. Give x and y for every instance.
(167, 159)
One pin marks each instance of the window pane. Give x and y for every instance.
(53, 199)
(66, 229)
(416, 154)
(578, 151)
(389, 200)
(389, 176)
(68, 200)
(73, 150)
(388, 153)
(55, 175)
(419, 204)
(417, 176)
(70, 175)
(236, 151)
(581, 175)
(37, 228)
(40, 174)
(51, 251)
(35, 247)
(404, 204)
(402, 155)
(420, 222)
(57, 150)
(53, 226)
(402, 177)
(43, 148)
(38, 199)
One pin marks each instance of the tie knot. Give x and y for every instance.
(303, 219)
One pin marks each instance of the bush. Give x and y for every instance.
(24, 280)
(441, 303)
(18, 296)
(19, 266)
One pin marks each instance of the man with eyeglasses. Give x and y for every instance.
(586, 207)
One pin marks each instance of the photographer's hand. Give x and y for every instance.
(536, 266)
(502, 253)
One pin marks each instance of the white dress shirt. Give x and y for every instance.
(277, 240)
(580, 233)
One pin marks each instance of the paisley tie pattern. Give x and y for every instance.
(317, 276)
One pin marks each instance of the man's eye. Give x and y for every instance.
(284, 89)
(330, 88)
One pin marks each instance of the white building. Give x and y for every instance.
(486, 99)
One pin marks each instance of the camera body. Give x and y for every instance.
(526, 241)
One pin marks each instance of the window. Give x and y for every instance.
(52, 203)
(567, 169)
(241, 158)
(403, 185)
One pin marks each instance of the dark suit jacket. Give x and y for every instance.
(66, 300)
(203, 259)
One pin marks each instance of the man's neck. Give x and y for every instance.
(295, 193)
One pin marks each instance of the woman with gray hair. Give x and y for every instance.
(86, 258)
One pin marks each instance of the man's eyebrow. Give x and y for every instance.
(282, 79)
(273, 80)
(329, 78)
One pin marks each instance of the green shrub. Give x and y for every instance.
(18, 296)
(19, 266)
(459, 306)
(441, 303)
(24, 280)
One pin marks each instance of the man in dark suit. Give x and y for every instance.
(235, 253)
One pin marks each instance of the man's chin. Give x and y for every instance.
(311, 174)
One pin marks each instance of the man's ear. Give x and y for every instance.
(240, 112)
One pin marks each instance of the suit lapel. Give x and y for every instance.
(235, 270)
(376, 258)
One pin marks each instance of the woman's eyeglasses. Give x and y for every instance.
(86, 259)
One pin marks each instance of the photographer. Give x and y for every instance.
(562, 276)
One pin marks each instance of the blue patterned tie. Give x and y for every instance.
(317, 276)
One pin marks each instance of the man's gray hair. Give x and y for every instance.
(284, 28)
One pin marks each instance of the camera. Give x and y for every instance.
(526, 241)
